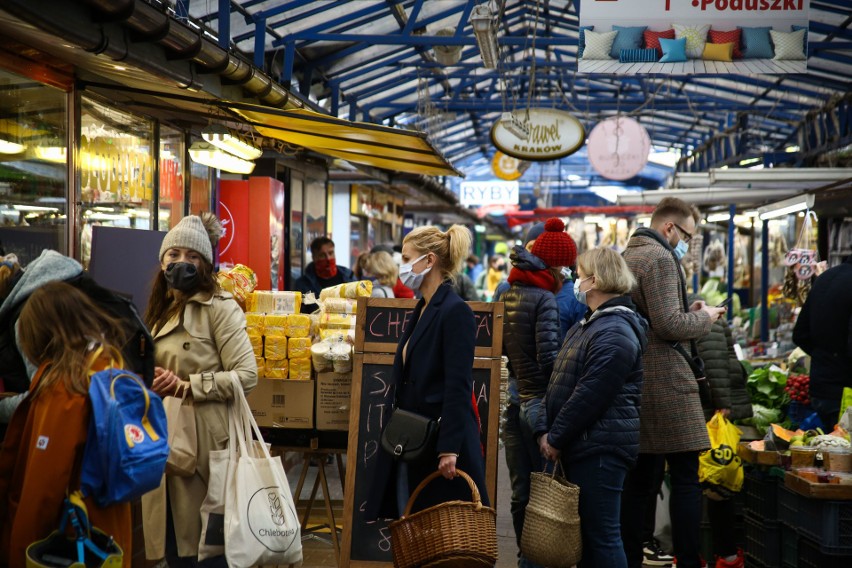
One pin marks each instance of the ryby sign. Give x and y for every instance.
(553, 134)
(489, 193)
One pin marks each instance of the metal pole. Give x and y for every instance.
(764, 282)
(732, 231)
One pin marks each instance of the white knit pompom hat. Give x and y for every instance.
(189, 233)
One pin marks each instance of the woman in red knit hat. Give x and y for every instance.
(531, 338)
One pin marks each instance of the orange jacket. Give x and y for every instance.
(39, 461)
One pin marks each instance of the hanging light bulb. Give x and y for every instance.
(208, 155)
(485, 29)
(223, 138)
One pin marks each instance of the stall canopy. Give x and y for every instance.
(357, 142)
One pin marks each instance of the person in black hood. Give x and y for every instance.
(590, 422)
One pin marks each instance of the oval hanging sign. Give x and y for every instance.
(618, 148)
(549, 134)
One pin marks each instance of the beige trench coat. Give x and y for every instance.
(204, 348)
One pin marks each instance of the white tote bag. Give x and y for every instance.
(261, 523)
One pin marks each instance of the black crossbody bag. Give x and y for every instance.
(697, 365)
(410, 437)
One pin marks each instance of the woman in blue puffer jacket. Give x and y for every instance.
(591, 408)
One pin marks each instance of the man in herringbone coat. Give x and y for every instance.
(671, 422)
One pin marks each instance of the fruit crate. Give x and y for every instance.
(811, 556)
(763, 541)
(789, 547)
(760, 494)
(826, 523)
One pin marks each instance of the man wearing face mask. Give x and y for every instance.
(671, 423)
(323, 272)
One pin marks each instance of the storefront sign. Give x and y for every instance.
(553, 134)
(508, 168)
(116, 169)
(489, 193)
(749, 9)
(618, 148)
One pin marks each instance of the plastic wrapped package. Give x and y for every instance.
(359, 289)
(273, 302)
(279, 369)
(315, 318)
(256, 345)
(337, 321)
(341, 356)
(275, 348)
(275, 325)
(298, 325)
(347, 335)
(340, 305)
(240, 281)
(298, 347)
(254, 323)
(300, 369)
(261, 367)
(321, 356)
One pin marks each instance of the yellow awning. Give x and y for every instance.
(358, 142)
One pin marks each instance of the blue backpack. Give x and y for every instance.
(127, 444)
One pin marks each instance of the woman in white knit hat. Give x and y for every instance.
(200, 337)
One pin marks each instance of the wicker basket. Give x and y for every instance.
(455, 534)
(551, 535)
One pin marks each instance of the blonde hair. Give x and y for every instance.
(612, 276)
(451, 247)
(381, 265)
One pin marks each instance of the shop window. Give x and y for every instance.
(33, 168)
(116, 170)
(171, 187)
(200, 188)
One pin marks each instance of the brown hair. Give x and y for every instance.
(451, 247)
(669, 207)
(60, 324)
(163, 303)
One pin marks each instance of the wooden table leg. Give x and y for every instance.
(329, 512)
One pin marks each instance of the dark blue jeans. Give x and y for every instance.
(522, 458)
(685, 506)
(601, 479)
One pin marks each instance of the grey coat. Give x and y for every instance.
(671, 419)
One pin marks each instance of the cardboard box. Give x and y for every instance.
(333, 391)
(283, 404)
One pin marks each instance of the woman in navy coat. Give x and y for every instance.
(433, 377)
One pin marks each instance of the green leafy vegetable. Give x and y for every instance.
(766, 387)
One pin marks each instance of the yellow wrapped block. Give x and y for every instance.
(337, 321)
(338, 334)
(275, 325)
(261, 367)
(321, 356)
(239, 281)
(298, 347)
(340, 305)
(300, 369)
(275, 348)
(362, 288)
(277, 369)
(254, 323)
(256, 345)
(298, 325)
(270, 302)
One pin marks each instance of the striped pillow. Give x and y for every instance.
(637, 55)
(788, 45)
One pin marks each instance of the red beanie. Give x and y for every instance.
(554, 246)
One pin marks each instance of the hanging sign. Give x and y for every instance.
(508, 168)
(553, 134)
(489, 193)
(618, 148)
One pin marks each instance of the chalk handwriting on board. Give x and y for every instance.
(389, 323)
(483, 324)
(385, 542)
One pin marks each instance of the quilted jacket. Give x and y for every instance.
(592, 402)
(531, 332)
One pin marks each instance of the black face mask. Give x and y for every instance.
(181, 276)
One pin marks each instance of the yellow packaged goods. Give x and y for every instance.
(321, 356)
(261, 366)
(338, 334)
(340, 305)
(239, 281)
(275, 348)
(300, 369)
(257, 345)
(298, 325)
(254, 323)
(337, 321)
(275, 325)
(362, 288)
(298, 347)
(270, 302)
(341, 356)
(277, 369)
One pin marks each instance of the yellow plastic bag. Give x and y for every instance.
(845, 402)
(720, 467)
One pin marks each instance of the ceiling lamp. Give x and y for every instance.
(223, 138)
(485, 29)
(208, 155)
(786, 207)
(9, 147)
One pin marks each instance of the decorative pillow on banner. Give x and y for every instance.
(627, 38)
(582, 44)
(756, 43)
(652, 39)
(788, 45)
(674, 50)
(637, 55)
(696, 37)
(804, 43)
(731, 36)
(598, 45)
(718, 52)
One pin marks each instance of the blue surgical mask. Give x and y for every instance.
(681, 249)
(566, 273)
(411, 279)
(581, 296)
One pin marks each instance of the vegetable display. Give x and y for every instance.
(798, 388)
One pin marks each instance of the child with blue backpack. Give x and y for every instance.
(62, 332)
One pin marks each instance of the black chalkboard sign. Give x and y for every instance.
(382, 321)
(368, 544)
